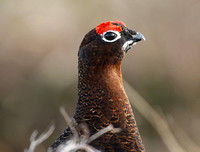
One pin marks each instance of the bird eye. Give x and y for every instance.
(111, 36)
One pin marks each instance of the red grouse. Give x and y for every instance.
(102, 99)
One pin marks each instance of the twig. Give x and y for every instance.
(81, 142)
(69, 123)
(103, 131)
(35, 142)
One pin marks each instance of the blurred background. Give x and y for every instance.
(39, 41)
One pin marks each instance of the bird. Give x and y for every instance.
(102, 100)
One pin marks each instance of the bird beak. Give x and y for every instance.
(138, 37)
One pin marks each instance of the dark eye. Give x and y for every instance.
(110, 36)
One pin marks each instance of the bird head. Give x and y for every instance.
(107, 43)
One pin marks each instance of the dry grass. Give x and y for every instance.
(77, 142)
(37, 141)
(81, 142)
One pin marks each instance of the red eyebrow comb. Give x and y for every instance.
(107, 26)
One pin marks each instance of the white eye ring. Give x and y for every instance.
(118, 36)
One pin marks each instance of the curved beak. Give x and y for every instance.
(138, 37)
(133, 38)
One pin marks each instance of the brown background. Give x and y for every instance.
(39, 40)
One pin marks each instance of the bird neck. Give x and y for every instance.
(101, 91)
(102, 101)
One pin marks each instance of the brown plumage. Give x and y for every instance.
(101, 96)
